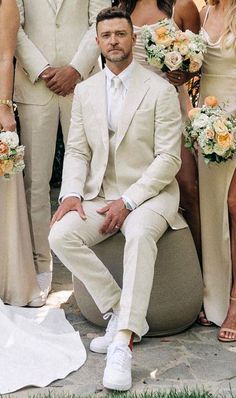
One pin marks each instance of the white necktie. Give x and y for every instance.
(116, 101)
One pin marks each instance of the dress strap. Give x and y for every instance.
(173, 13)
(206, 16)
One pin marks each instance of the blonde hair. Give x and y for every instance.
(229, 36)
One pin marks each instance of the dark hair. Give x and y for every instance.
(114, 12)
(164, 5)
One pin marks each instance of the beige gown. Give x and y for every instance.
(218, 79)
(18, 284)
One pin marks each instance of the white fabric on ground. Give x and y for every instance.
(37, 346)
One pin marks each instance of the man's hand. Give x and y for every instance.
(69, 204)
(115, 214)
(61, 81)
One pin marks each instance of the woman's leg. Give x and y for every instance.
(187, 178)
(230, 321)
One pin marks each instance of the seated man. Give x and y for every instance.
(121, 159)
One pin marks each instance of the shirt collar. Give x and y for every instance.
(124, 75)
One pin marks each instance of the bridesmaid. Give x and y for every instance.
(18, 284)
(218, 182)
(185, 16)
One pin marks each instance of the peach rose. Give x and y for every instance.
(4, 149)
(162, 36)
(193, 113)
(211, 101)
(195, 64)
(224, 140)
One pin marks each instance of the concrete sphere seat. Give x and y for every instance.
(176, 296)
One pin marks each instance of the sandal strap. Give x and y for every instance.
(232, 298)
(228, 330)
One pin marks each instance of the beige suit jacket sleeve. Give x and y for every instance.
(77, 155)
(167, 141)
(29, 56)
(86, 57)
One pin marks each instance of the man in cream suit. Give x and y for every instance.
(122, 155)
(56, 49)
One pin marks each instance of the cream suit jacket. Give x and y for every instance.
(58, 37)
(147, 154)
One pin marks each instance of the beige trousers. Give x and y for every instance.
(70, 239)
(39, 125)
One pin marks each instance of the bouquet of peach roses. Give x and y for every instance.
(11, 154)
(169, 49)
(212, 130)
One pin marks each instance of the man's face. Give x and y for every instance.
(116, 39)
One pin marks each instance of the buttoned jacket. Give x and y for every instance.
(147, 152)
(55, 36)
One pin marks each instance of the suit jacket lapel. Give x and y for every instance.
(136, 91)
(52, 4)
(99, 104)
(60, 2)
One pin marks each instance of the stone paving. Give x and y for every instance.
(194, 358)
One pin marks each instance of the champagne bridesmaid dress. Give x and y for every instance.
(18, 284)
(218, 79)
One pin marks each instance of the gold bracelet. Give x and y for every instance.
(7, 102)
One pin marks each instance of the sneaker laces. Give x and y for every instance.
(112, 324)
(119, 354)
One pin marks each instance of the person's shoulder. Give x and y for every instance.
(203, 14)
(155, 81)
(185, 6)
(89, 83)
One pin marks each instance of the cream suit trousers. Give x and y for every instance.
(39, 125)
(70, 239)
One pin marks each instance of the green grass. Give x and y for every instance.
(171, 394)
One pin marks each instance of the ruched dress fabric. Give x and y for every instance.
(18, 284)
(218, 79)
(37, 346)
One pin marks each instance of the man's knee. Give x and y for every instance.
(60, 237)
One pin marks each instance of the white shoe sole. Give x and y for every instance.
(99, 350)
(117, 387)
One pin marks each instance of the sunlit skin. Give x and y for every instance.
(116, 40)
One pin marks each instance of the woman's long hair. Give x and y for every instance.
(229, 35)
(165, 6)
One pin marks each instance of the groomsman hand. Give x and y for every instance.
(115, 214)
(69, 204)
(61, 80)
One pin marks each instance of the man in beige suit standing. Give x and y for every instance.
(56, 49)
(122, 155)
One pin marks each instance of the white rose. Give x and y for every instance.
(200, 121)
(10, 138)
(173, 60)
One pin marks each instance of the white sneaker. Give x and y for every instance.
(101, 344)
(117, 374)
(44, 280)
